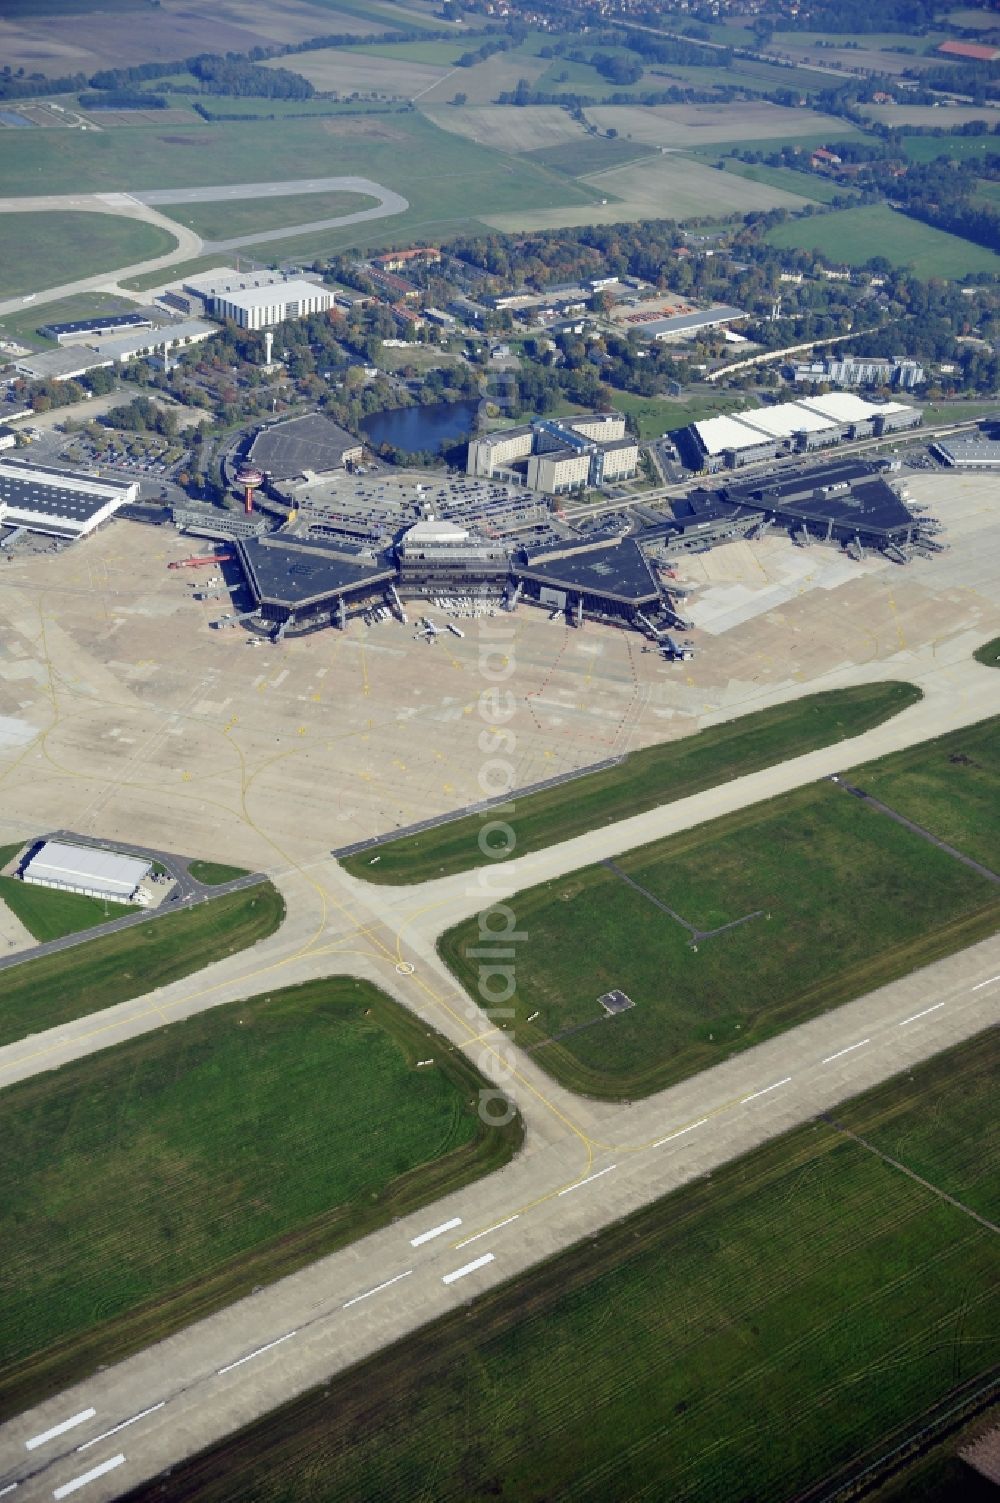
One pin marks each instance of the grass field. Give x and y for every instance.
(219, 221)
(682, 126)
(49, 914)
(741, 1339)
(853, 236)
(589, 154)
(507, 129)
(805, 184)
(214, 873)
(989, 653)
(43, 250)
(646, 779)
(347, 70)
(955, 148)
(989, 193)
(102, 972)
(843, 900)
(216, 1185)
(23, 325)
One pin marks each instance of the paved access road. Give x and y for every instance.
(584, 1165)
(189, 245)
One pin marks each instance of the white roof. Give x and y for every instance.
(720, 433)
(84, 866)
(434, 530)
(276, 293)
(786, 419)
(842, 406)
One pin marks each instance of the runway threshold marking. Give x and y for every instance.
(436, 1231)
(91, 1476)
(849, 1050)
(256, 1353)
(589, 1180)
(495, 1228)
(377, 1290)
(680, 1132)
(914, 1016)
(123, 1426)
(460, 1273)
(67, 1424)
(763, 1092)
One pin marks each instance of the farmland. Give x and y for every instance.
(657, 775)
(217, 1186)
(339, 70)
(853, 236)
(750, 938)
(507, 129)
(102, 972)
(680, 126)
(658, 1354)
(42, 250)
(804, 184)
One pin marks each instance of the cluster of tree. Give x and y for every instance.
(847, 17)
(241, 78)
(122, 99)
(489, 47)
(16, 84)
(142, 416)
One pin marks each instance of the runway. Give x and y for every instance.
(585, 1164)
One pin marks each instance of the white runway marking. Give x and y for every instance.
(250, 1355)
(570, 1188)
(913, 1018)
(460, 1273)
(981, 984)
(85, 1477)
(850, 1048)
(754, 1094)
(123, 1426)
(377, 1290)
(488, 1231)
(69, 1424)
(435, 1231)
(5, 1490)
(680, 1132)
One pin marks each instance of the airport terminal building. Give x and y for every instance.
(60, 503)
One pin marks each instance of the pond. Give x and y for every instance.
(431, 428)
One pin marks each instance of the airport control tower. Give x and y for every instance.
(249, 479)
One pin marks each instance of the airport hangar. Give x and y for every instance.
(60, 503)
(764, 433)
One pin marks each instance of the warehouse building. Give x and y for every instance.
(60, 503)
(87, 870)
(764, 433)
(263, 307)
(95, 328)
(968, 451)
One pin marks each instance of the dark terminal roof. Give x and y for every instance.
(614, 567)
(313, 442)
(850, 493)
(298, 571)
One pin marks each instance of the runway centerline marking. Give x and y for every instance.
(467, 1268)
(91, 1476)
(849, 1050)
(590, 1177)
(914, 1016)
(5, 1490)
(67, 1424)
(979, 986)
(436, 1231)
(680, 1132)
(496, 1228)
(377, 1290)
(763, 1092)
(123, 1426)
(256, 1353)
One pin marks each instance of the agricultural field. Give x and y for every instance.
(662, 187)
(988, 193)
(114, 968)
(853, 236)
(804, 184)
(681, 126)
(739, 914)
(534, 128)
(955, 148)
(219, 221)
(43, 250)
(658, 1354)
(648, 778)
(484, 82)
(588, 155)
(49, 914)
(216, 1184)
(346, 71)
(949, 118)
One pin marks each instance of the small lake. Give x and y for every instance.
(411, 428)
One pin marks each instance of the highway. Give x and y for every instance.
(584, 1164)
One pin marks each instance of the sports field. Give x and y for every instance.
(656, 775)
(44, 250)
(744, 1338)
(101, 972)
(242, 216)
(853, 236)
(736, 930)
(150, 1183)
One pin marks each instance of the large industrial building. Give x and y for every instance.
(263, 307)
(558, 455)
(87, 870)
(969, 451)
(61, 503)
(790, 428)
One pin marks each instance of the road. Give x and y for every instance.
(584, 1165)
(189, 245)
